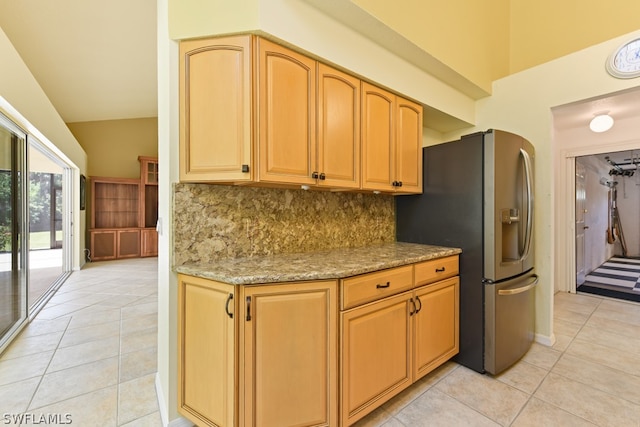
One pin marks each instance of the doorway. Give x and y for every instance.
(46, 219)
(607, 231)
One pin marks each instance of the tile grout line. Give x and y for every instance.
(553, 366)
(393, 416)
(601, 301)
(35, 391)
(119, 372)
(532, 394)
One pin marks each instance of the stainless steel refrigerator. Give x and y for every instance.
(478, 196)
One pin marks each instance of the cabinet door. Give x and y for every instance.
(207, 351)
(290, 355)
(287, 113)
(148, 242)
(408, 146)
(103, 244)
(375, 355)
(128, 243)
(378, 146)
(436, 325)
(338, 128)
(215, 109)
(148, 170)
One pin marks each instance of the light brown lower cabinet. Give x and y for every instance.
(289, 347)
(263, 355)
(436, 326)
(388, 344)
(375, 361)
(278, 355)
(207, 352)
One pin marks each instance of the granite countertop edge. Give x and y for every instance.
(318, 265)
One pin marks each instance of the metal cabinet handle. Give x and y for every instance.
(314, 175)
(386, 285)
(419, 307)
(412, 311)
(322, 176)
(440, 270)
(226, 307)
(248, 300)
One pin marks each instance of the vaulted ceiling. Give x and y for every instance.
(95, 60)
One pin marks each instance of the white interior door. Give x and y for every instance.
(581, 196)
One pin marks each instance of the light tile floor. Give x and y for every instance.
(591, 376)
(91, 353)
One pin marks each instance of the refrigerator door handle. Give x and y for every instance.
(521, 289)
(528, 179)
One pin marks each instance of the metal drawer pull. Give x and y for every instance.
(520, 289)
(440, 270)
(226, 307)
(248, 309)
(379, 286)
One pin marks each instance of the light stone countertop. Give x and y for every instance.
(320, 265)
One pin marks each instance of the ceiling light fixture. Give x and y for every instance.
(602, 122)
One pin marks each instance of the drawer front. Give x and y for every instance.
(372, 286)
(437, 269)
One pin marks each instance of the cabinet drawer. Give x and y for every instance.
(437, 269)
(372, 286)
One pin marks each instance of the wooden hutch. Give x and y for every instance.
(124, 212)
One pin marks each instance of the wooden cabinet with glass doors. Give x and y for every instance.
(148, 206)
(124, 212)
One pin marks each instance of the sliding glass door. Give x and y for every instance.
(46, 220)
(13, 226)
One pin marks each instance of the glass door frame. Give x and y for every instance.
(67, 223)
(19, 171)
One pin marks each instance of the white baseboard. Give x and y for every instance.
(547, 340)
(178, 422)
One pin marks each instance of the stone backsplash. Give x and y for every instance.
(217, 221)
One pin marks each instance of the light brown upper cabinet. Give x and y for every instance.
(286, 115)
(338, 162)
(294, 91)
(391, 142)
(215, 110)
(252, 110)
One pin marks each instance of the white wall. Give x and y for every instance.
(166, 381)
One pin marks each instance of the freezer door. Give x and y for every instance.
(508, 219)
(509, 321)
